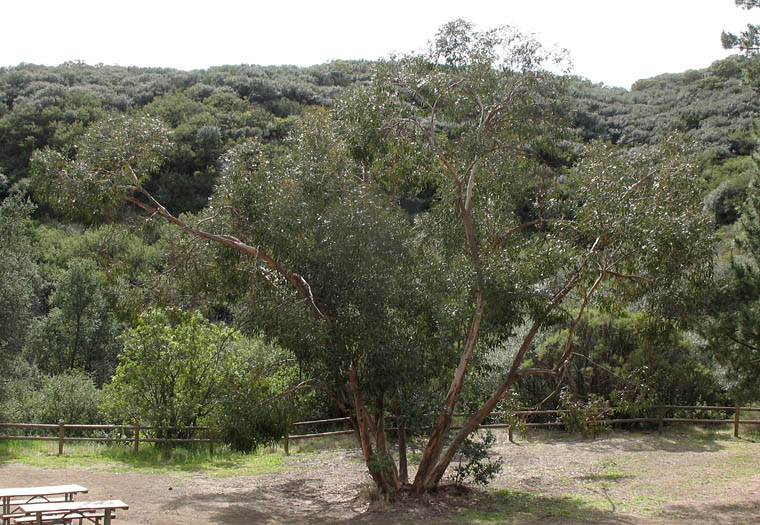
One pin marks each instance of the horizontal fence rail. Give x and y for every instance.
(138, 432)
(660, 420)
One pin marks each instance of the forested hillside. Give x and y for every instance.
(456, 230)
(208, 111)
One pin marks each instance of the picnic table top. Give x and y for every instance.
(51, 490)
(73, 506)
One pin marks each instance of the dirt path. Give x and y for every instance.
(617, 479)
(292, 496)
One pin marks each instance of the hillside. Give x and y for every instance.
(211, 110)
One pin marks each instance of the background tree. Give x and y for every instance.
(19, 274)
(79, 331)
(732, 328)
(169, 371)
(748, 41)
(260, 399)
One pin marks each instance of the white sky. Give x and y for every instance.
(610, 41)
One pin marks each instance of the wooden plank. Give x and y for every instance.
(686, 407)
(49, 490)
(323, 434)
(321, 421)
(28, 425)
(698, 421)
(45, 518)
(31, 438)
(73, 506)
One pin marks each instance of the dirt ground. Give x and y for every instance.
(619, 478)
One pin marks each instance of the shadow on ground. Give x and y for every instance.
(287, 502)
(740, 513)
(527, 508)
(299, 503)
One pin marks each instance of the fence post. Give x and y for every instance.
(511, 435)
(61, 430)
(137, 437)
(736, 421)
(211, 440)
(660, 418)
(285, 444)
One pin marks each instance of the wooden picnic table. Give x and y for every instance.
(12, 498)
(73, 510)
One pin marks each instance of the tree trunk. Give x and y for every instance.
(435, 442)
(388, 468)
(429, 479)
(403, 466)
(363, 426)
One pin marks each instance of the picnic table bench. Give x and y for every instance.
(68, 511)
(12, 498)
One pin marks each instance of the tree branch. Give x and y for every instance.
(298, 282)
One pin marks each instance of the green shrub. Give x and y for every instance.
(475, 463)
(70, 396)
(583, 416)
(256, 407)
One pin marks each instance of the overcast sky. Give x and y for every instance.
(610, 41)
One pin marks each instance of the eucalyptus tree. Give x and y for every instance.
(382, 308)
(480, 117)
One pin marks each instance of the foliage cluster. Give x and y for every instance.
(208, 112)
(585, 416)
(475, 462)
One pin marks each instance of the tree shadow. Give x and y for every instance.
(301, 502)
(286, 502)
(744, 512)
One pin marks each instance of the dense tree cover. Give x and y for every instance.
(709, 105)
(459, 229)
(177, 370)
(79, 331)
(208, 111)
(382, 306)
(732, 326)
(632, 359)
(169, 367)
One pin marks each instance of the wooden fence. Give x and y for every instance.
(660, 420)
(137, 432)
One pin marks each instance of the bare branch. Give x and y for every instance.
(298, 282)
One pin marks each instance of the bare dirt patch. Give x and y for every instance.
(619, 478)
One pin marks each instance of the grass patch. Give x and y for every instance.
(150, 459)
